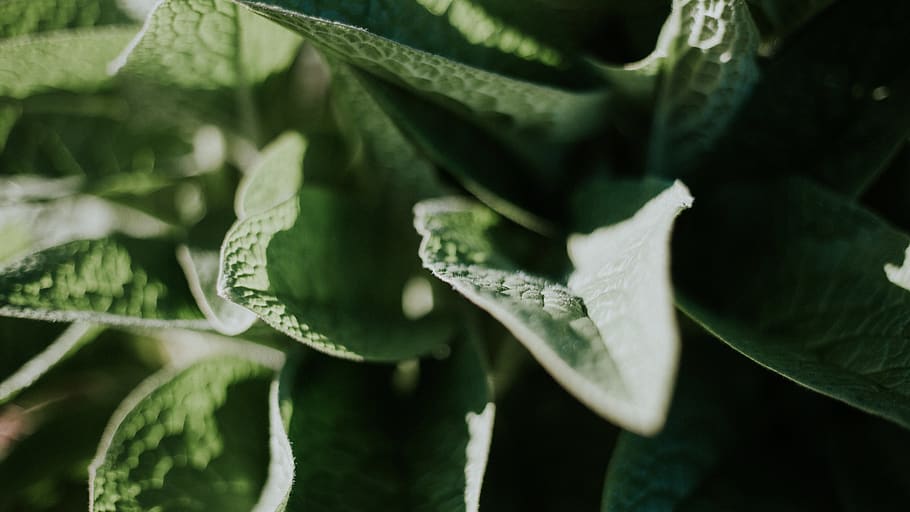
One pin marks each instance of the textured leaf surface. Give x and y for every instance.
(609, 336)
(74, 60)
(707, 51)
(429, 54)
(20, 17)
(113, 280)
(843, 133)
(196, 439)
(800, 287)
(51, 347)
(360, 447)
(207, 44)
(316, 268)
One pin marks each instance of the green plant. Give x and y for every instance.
(243, 221)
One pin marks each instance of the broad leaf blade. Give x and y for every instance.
(361, 447)
(115, 280)
(316, 269)
(74, 60)
(800, 287)
(195, 438)
(20, 17)
(276, 177)
(591, 345)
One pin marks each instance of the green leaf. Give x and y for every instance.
(446, 49)
(207, 44)
(359, 446)
(794, 277)
(278, 485)
(193, 439)
(707, 69)
(609, 336)
(51, 350)
(276, 177)
(115, 280)
(317, 269)
(9, 114)
(20, 17)
(834, 108)
(72, 60)
(715, 409)
(201, 268)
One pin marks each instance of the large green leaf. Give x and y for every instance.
(831, 107)
(20, 17)
(794, 277)
(194, 439)
(361, 446)
(72, 60)
(316, 268)
(609, 336)
(431, 54)
(276, 177)
(116, 280)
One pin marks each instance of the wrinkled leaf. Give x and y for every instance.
(201, 268)
(609, 336)
(276, 177)
(116, 280)
(192, 439)
(20, 17)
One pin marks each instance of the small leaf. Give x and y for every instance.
(114, 280)
(73, 60)
(619, 358)
(55, 350)
(196, 438)
(317, 269)
(360, 447)
(276, 177)
(797, 284)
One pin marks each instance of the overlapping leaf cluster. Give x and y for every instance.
(296, 255)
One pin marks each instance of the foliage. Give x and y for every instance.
(335, 255)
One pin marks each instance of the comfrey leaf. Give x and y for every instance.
(798, 286)
(201, 269)
(317, 269)
(117, 280)
(360, 446)
(609, 336)
(274, 178)
(192, 438)
(20, 17)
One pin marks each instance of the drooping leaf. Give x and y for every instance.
(275, 178)
(830, 107)
(609, 336)
(316, 268)
(193, 439)
(794, 277)
(115, 280)
(278, 484)
(25, 360)
(358, 446)
(73, 60)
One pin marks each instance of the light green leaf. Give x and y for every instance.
(192, 439)
(707, 51)
(317, 269)
(360, 446)
(55, 349)
(450, 49)
(201, 267)
(115, 280)
(207, 44)
(793, 277)
(609, 336)
(276, 177)
(73, 60)
(20, 17)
